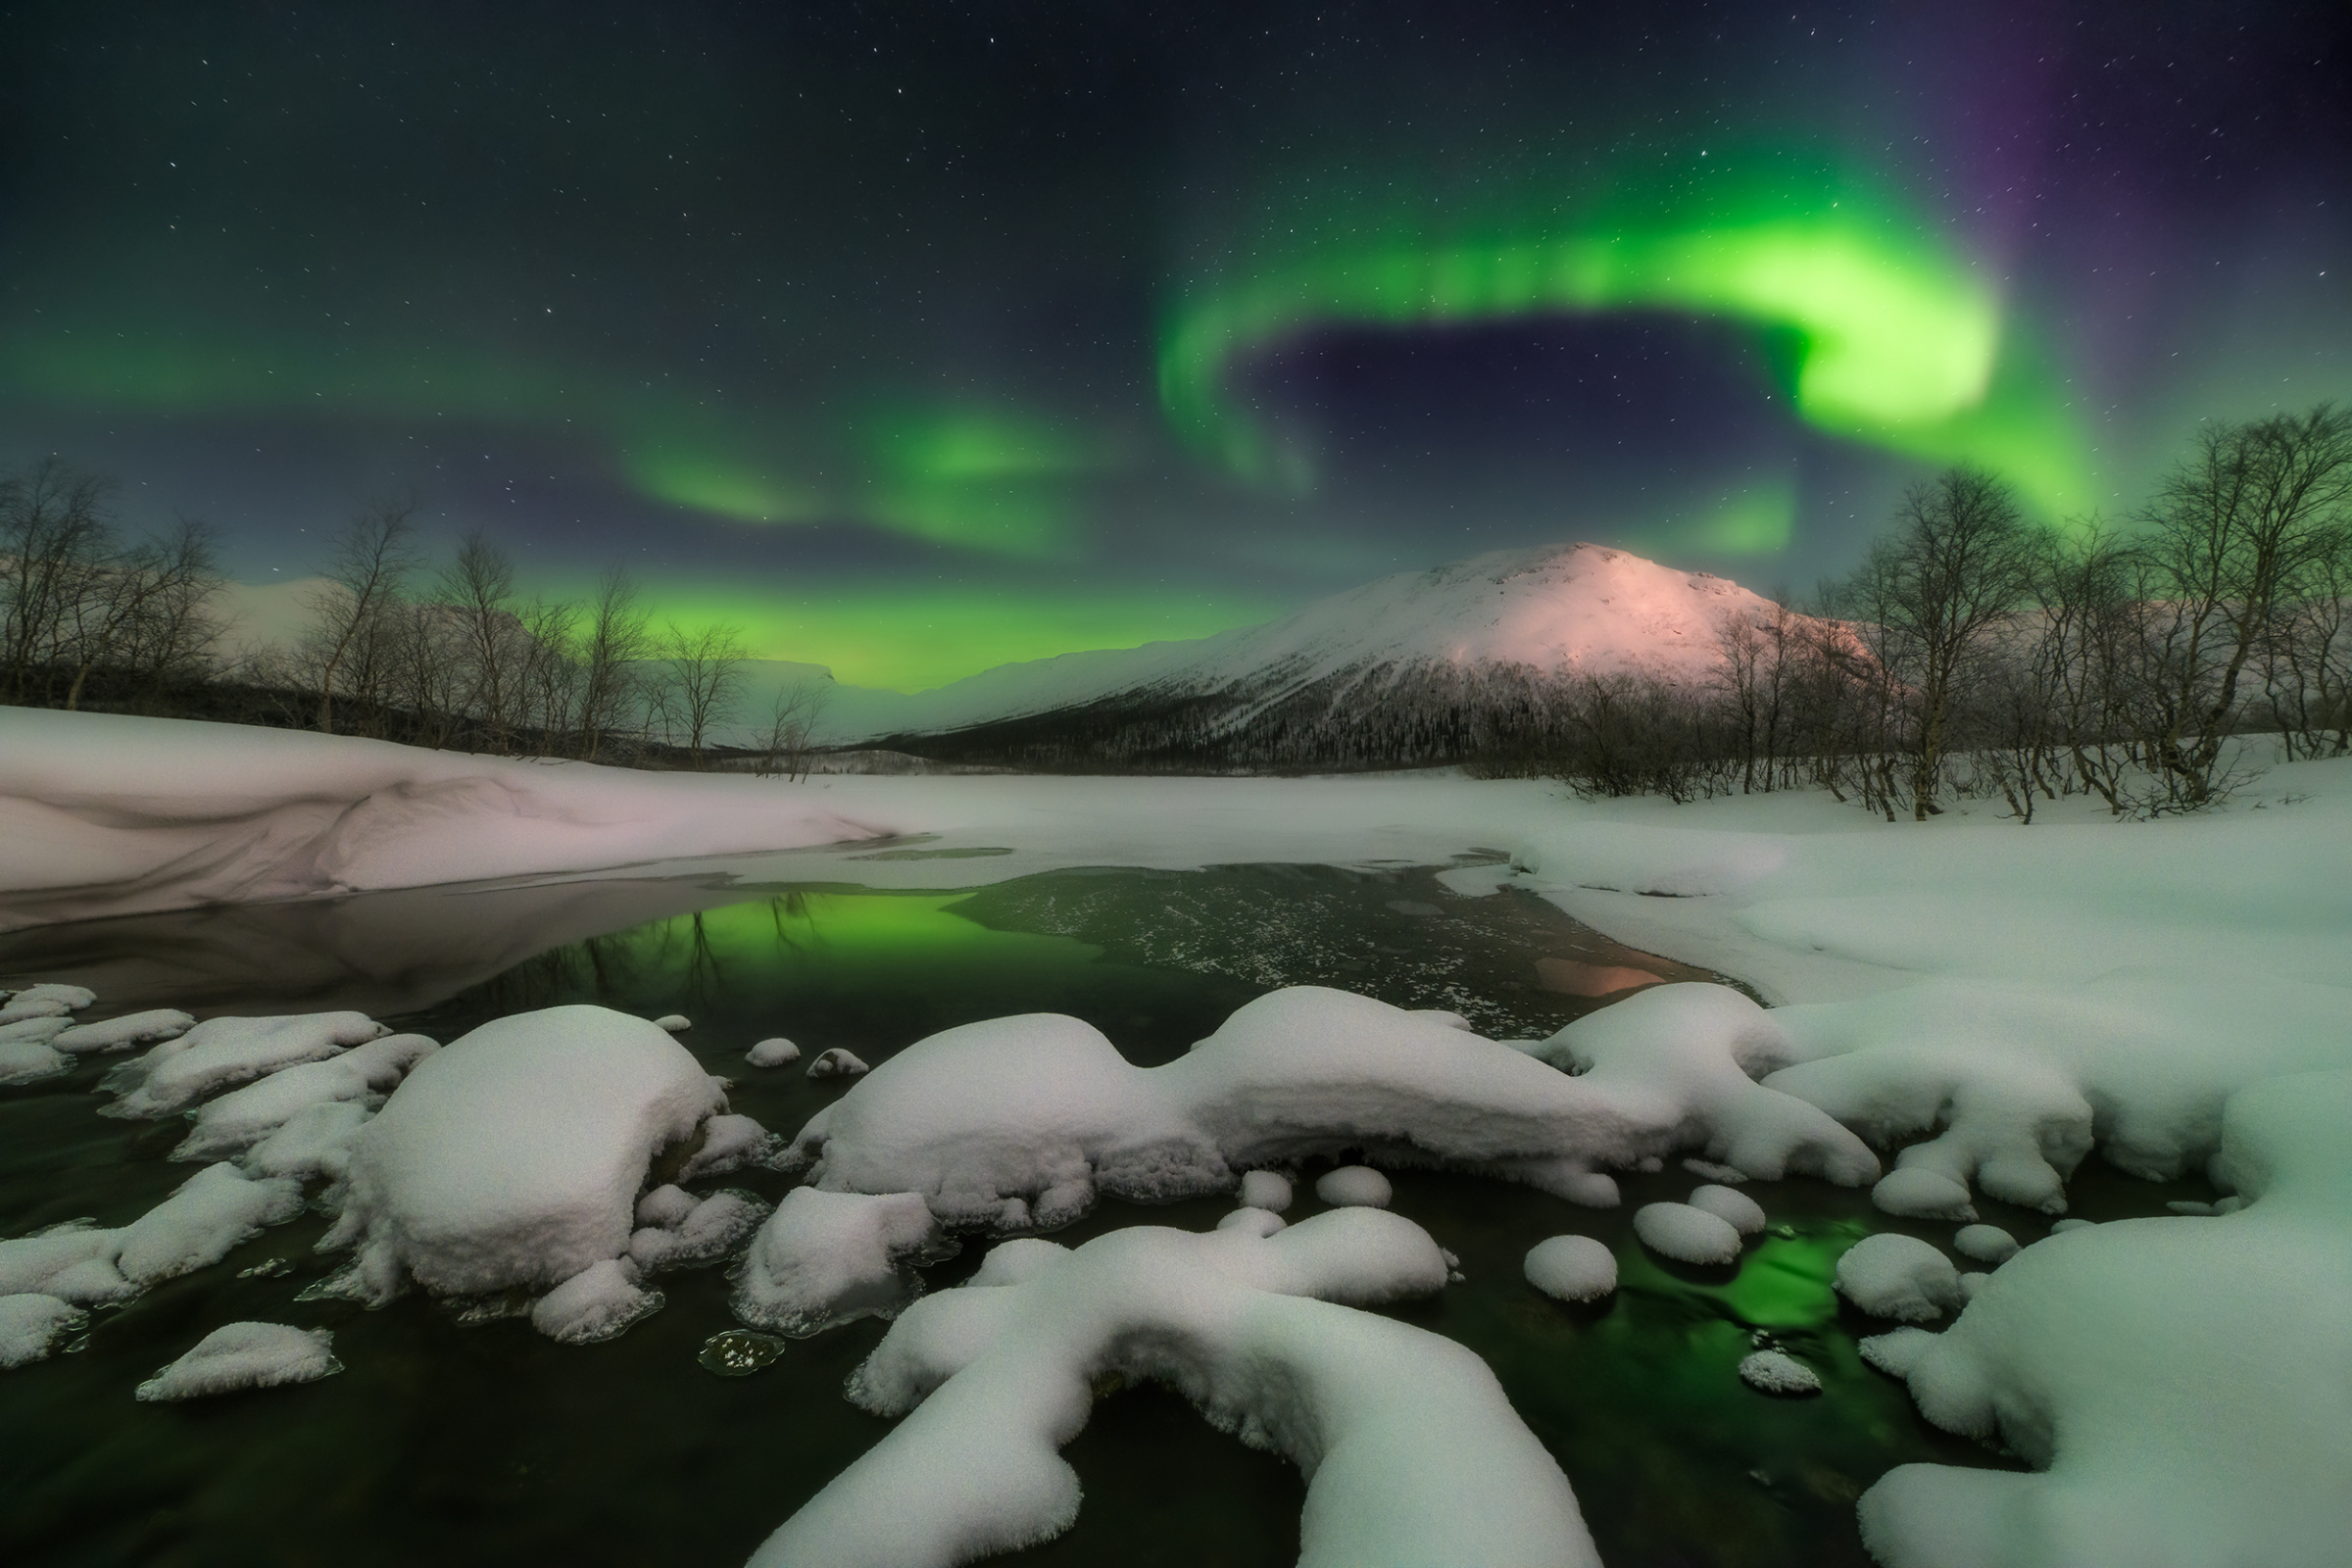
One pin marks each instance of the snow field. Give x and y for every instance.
(1413, 1453)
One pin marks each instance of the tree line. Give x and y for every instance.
(1968, 654)
(393, 646)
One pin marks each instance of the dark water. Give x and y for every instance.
(489, 1445)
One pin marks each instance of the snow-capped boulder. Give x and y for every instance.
(1572, 1268)
(513, 1156)
(1686, 1233)
(1900, 1276)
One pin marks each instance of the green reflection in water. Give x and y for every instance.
(1783, 1283)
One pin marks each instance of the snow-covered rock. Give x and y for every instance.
(513, 1156)
(1015, 1123)
(707, 1232)
(47, 999)
(30, 1055)
(243, 1117)
(731, 1143)
(674, 1022)
(1986, 1243)
(1354, 1186)
(210, 1212)
(1269, 1190)
(1896, 1351)
(825, 1258)
(312, 1143)
(1900, 1276)
(1731, 1205)
(221, 1053)
(245, 1355)
(121, 1034)
(777, 1052)
(835, 1062)
(1573, 1268)
(31, 1324)
(600, 1302)
(1413, 1454)
(1778, 1372)
(1686, 1233)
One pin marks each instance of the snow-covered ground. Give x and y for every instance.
(1990, 1004)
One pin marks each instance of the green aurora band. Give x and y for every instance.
(1882, 335)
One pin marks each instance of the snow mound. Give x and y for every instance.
(31, 1324)
(1896, 1351)
(74, 1263)
(1986, 1243)
(30, 1055)
(1897, 1276)
(707, 1232)
(1354, 1186)
(673, 1023)
(513, 1157)
(826, 1259)
(211, 1213)
(121, 1034)
(837, 1064)
(2181, 1387)
(245, 1116)
(1018, 1123)
(1778, 1372)
(44, 1000)
(1573, 1268)
(1916, 1191)
(1269, 1190)
(245, 1355)
(221, 1053)
(598, 1302)
(775, 1052)
(666, 1207)
(314, 1142)
(1257, 1221)
(1687, 1235)
(1735, 1208)
(1413, 1454)
(729, 1144)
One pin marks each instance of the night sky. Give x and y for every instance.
(915, 338)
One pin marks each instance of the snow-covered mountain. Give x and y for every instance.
(1502, 621)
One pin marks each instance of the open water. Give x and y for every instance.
(488, 1445)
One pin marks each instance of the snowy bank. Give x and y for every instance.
(1413, 1455)
(103, 813)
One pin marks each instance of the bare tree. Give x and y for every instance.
(125, 601)
(371, 558)
(54, 538)
(792, 725)
(477, 589)
(615, 642)
(2232, 538)
(1927, 595)
(702, 681)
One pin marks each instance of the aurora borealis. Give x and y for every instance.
(920, 337)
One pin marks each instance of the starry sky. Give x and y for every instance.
(915, 338)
